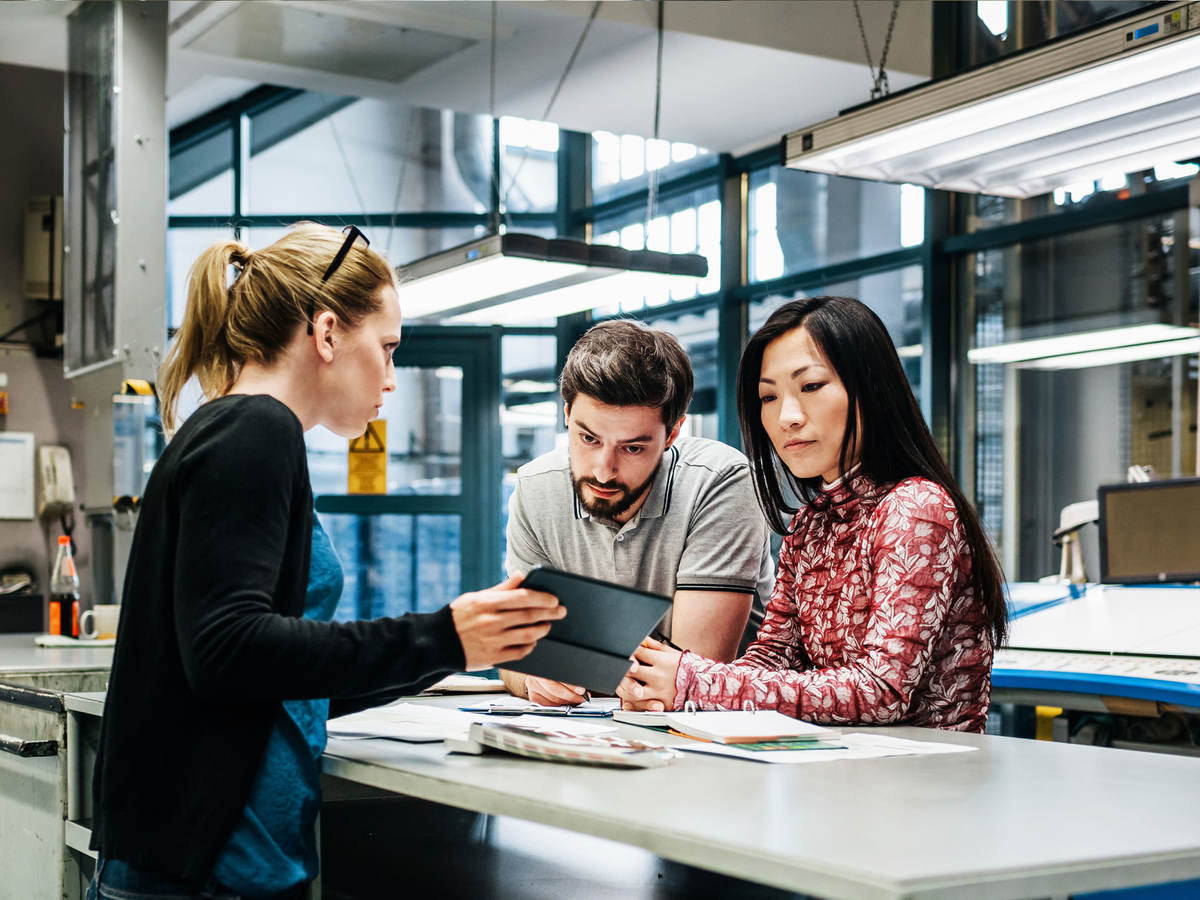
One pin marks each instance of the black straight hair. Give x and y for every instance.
(896, 443)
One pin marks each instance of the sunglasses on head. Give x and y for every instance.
(352, 234)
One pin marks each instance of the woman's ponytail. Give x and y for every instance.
(200, 347)
(277, 290)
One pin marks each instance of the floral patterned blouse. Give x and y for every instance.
(873, 619)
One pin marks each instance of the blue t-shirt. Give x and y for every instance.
(274, 847)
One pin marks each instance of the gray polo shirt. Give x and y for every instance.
(700, 527)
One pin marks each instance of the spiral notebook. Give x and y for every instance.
(733, 727)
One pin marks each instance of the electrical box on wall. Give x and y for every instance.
(43, 248)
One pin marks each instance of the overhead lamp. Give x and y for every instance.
(1116, 355)
(1121, 98)
(1063, 346)
(513, 277)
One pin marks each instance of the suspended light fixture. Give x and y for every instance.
(509, 278)
(1116, 355)
(513, 277)
(1121, 98)
(1094, 347)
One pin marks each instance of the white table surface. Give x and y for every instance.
(1017, 818)
(18, 654)
(1111, 619)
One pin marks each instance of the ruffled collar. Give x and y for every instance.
(830, 485)
(842, 499)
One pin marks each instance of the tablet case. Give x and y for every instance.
(591, 646)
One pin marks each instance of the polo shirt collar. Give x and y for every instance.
(658, 501)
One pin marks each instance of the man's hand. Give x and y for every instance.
(503, 623)
(545, 692)
(650, 681)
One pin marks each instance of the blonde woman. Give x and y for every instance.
(206, 774)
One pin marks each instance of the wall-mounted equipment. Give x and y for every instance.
(43, 248)
(1150, 532)
(56, 482)
(1121, 98)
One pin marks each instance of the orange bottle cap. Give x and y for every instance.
(63, 539)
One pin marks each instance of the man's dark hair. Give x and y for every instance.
(621, 362)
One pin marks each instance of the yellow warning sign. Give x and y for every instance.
(368, 460)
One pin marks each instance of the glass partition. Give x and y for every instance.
(529, 408)
(395, 564)
(684, 223)
(1083, 395)
(201, 176)
(184, 245)
(802, 220)
(528, 165)
(697, 332)
(374, 156)
(894, 296)
(984, 211)
(424, 437)
(622, 163)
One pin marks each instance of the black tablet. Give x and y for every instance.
(604, 624)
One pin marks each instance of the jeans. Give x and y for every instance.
(115, 880)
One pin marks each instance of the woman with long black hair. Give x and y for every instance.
(888, 603)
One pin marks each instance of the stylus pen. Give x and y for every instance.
(659, 636)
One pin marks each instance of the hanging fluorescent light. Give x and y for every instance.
(1117, 355)
(511, 278)
(1065, 345)
(1121, 98)
(555, 302)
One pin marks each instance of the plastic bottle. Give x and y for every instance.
(64, 590)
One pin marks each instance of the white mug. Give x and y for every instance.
(103, 621)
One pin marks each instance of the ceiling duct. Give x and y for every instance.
(325, 38)
(1121, 98)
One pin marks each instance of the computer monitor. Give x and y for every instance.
(1150, 532)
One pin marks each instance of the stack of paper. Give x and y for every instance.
(422, 723)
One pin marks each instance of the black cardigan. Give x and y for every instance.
(212, 639)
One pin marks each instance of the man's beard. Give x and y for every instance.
(610, 509)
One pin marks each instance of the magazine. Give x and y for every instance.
(562, 746)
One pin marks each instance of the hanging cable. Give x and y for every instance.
(561, 81)
(494, 132)
(21, 326)
(493, 156)
(652, 180)
(337, 139)
(492, 67)
(404, 151)
(879, 80)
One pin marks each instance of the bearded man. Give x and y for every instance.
(629, 500)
